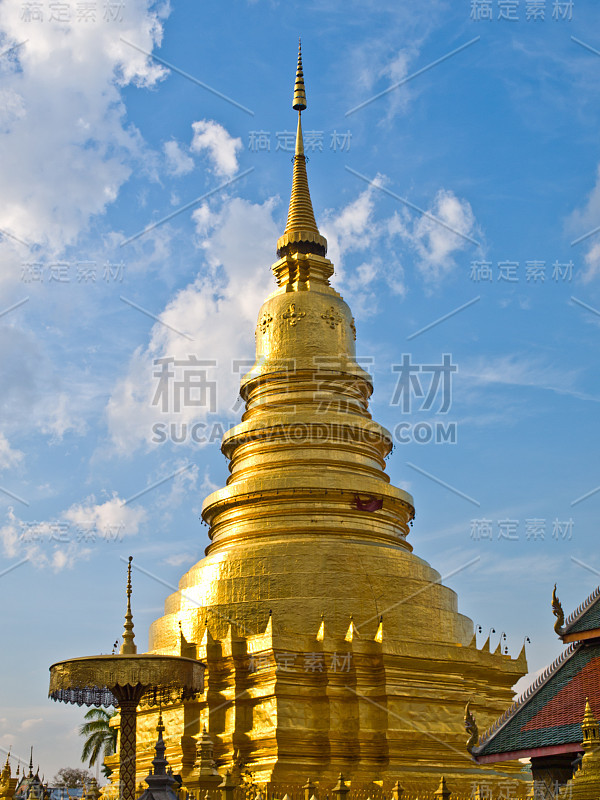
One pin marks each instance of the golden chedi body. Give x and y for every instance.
(330, 647)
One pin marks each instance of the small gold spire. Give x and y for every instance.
(379, 634)
(589, 720)
(128, 647)
(299, 103)
(301, 233)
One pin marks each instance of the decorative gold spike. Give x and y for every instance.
(128, 647)
(299, 103)
(442, 791)
(321, 631)
(351, 632)
(379, 634)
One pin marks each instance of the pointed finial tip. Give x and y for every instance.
(299, 103)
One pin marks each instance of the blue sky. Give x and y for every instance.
(497, 143)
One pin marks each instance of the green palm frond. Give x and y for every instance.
(100, 738)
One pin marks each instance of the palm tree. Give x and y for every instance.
(101, 739)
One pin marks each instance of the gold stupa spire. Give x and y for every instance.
(301, 232)
(128, 647)
(299, 103)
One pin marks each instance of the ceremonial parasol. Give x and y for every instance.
(122, 680)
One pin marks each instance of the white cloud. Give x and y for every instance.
(31, 723)
(182, 487)
(9, 458)
(583, 221)
(34, 392)
(112, 518)
(178, 161)
(355, 228)
(436, 244)
(65, 144)
(59, 543)
(517, 371)
(218, 310)
(221, 148)
(351, 230)
(180, 559)
(512, 370)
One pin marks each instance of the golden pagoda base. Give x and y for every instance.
(377, 702)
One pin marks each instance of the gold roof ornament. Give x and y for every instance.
(301, 233)
(558, 612)
(471, 728)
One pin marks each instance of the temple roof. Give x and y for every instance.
(548, 715)
(584, 619)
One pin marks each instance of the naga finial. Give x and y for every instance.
(558, 612)
(471, 728)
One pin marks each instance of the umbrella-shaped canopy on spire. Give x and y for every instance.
(121, 680)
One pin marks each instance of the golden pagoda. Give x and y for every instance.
(330, 647)
(8, 784)
(585, 784)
